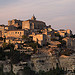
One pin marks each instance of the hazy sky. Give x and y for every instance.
(58, 13)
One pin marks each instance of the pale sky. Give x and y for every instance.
(58, 13)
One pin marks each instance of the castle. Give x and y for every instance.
(17, 28)
(31, 27)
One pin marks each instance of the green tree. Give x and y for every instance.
(4, 45)
(15, 57)
(28, 71)
(63, 43)
(2, 54)
(24, 37)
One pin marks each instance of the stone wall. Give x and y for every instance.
(45, 63)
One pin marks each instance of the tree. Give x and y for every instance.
(24, 37)
(63, 43)
(59, 45)
(24, 57)
(15, 57)
(57, 34)
(72, 36)
(28, 71)
(4, 45)
(33, 45)
(2, 54)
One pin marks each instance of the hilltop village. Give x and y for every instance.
(34, 44)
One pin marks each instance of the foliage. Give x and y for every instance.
(24, 57)
(57, 71)
(40, 32)
(60, 38)
(28, 71)
(57, 34)
(63, 43)
(59, 45)
(33, 45)
(66, 52)
(1, 70)
(4, 45)
(15, 57)
(53, 39)
(1, 38)
(2, 54)
(11, 46)
(24, 37)
(6, 73)
(72, 36)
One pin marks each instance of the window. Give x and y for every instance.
(15, 32)
(20, 32)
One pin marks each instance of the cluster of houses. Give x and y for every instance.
(15, 29)
(42, 34)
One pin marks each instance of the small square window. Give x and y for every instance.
(15, 32)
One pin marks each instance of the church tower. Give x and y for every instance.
(33, 17)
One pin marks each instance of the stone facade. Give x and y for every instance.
(15, 22)
(64, 33)
(70, 42)
(3, 30)
(33, 24)
(15, 33)
(40, 38)
(46, 62)
(11, 27)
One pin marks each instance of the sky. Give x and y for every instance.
(60, 14)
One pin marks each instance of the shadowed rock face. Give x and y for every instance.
(45, 62)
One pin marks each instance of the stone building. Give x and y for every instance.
(69, 32)
(15, 22)
(15, 33)
(40, 38)
(11, 27)
(3, 30)
(64, 33)
(70, 42)
(33, 24)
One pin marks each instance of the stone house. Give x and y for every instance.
(3, 30)
(70, 42)
(64, 33)
(15, 22)
(40, 38)
(15, 33)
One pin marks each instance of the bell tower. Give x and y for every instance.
(33, 17)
